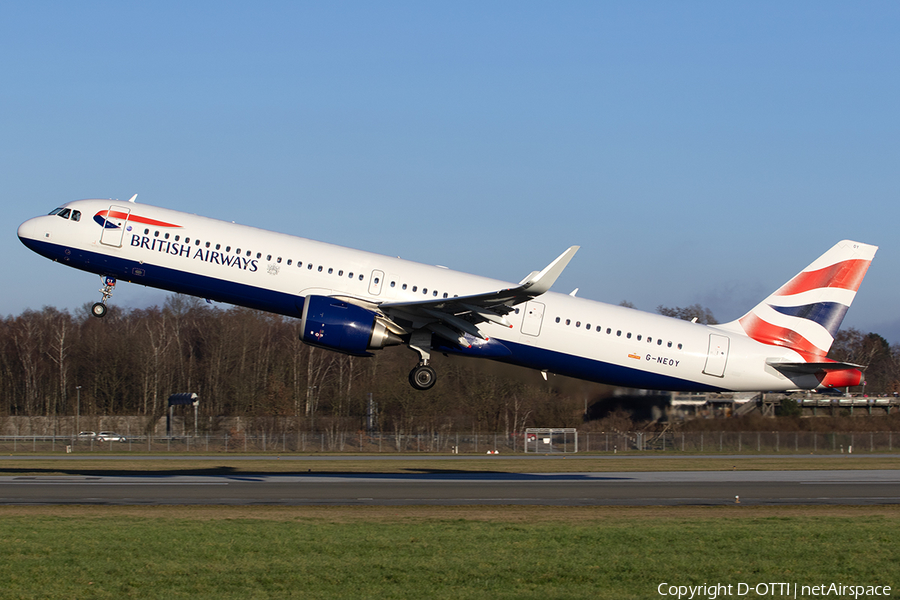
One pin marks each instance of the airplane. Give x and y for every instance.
(357, 302)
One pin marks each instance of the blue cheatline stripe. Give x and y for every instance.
(570, 365)
(281, 303)
(827, 314)
(595, 370)
(172, 280)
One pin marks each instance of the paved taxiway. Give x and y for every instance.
(856, 487)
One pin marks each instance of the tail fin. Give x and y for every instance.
(806, 312)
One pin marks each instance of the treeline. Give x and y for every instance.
(242, 362)
(248, 363)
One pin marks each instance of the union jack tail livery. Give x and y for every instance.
(805, 313)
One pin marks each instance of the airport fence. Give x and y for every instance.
(722, 442)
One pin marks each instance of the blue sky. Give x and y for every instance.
(698, 152)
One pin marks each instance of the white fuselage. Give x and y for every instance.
(269, 271)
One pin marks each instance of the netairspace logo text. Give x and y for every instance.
(771, 590)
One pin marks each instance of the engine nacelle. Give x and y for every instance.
(343, 327)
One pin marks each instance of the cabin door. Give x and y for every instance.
(534, 316)
(114, 225)
(717, 355)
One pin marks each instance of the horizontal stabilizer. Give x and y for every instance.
(811, 368)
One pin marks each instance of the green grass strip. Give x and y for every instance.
(626, 555)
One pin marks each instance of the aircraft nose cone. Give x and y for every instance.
(26, 230)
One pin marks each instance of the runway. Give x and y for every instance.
(687, 488)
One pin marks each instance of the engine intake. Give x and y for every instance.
(343, 327)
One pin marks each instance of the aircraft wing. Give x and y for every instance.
(452, 318)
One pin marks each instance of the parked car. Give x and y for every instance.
(86, 435)
(110, 436)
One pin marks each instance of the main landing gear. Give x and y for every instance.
(422, 377)
(99, 309)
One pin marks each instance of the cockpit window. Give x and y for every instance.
(64, 213)
(76, 215)
(56, 211)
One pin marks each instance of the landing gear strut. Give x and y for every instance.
(422, 377)
(99, 309)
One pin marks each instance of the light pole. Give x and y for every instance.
(77, 407)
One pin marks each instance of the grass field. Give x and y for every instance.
(429, 552)
(435, 552)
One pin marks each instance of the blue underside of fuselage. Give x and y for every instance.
(258, 298)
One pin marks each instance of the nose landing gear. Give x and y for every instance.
(99, 309)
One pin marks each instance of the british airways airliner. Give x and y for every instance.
(357, 302)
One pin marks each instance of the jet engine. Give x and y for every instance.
(343, 327)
